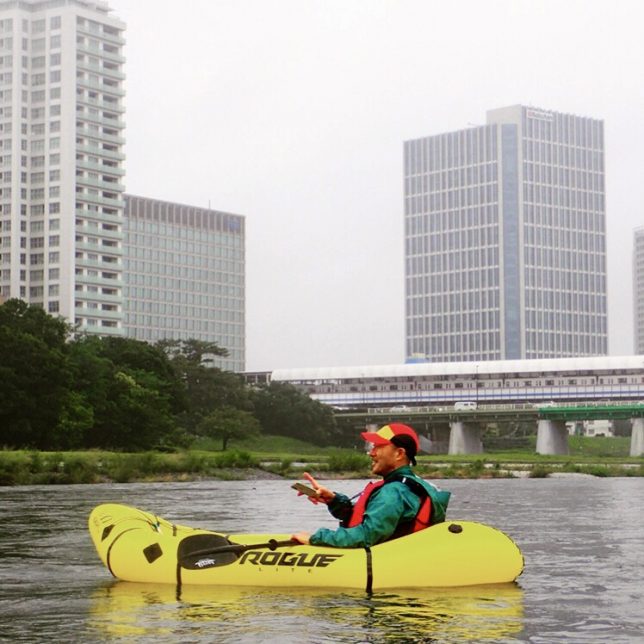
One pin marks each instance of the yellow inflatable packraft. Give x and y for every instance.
(139, 546)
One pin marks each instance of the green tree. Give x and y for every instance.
(192, 351)
(131, 389)
(283, 410)
(150, 366)
(207, 388)
(139, 417)
(227, 424)
(75, 422)
(93, 376)
(34, 374)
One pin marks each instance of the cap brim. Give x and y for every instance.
(372, 437)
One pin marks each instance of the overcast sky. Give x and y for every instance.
(294, 112)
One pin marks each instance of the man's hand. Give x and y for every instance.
(324, 494)
(301, 537)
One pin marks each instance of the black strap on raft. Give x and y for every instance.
(369, 587)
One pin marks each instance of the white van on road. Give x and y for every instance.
(465, 404)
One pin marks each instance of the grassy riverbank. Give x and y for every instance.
(272, 457)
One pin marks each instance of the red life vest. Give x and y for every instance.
(420, 522)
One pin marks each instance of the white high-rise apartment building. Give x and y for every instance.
(638, 290)
(61, 159)
(505, 234)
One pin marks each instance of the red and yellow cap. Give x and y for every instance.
(397, 434)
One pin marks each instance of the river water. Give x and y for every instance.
(582, 539)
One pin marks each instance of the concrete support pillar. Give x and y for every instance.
(465, 438)
(552, 437)
(425, 444)
(637, 437)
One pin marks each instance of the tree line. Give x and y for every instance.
(63, 390)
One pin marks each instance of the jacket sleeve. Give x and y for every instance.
(393, 503)
(341, 507)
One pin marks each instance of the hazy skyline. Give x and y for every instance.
(294, 112)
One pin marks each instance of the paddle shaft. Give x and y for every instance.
(238, 548)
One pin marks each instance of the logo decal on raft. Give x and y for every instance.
(205, 563)
(301, 559)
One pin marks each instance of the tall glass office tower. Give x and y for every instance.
(505, 239)
(638, 290)
(61, 159)
(185, 276)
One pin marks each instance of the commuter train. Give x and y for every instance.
(543, 380)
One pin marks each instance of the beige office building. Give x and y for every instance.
(184, 273)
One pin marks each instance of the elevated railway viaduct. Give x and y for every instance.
(548, 392)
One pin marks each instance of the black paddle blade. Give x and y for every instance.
(194, 552)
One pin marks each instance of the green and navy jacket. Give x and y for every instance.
(399, 504)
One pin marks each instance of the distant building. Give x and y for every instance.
(638, 289)
(184, 272)
(505, 239)
(598, 428)
(61, 159)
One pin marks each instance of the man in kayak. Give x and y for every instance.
(399, 504)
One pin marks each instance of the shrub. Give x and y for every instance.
(539, 472)
(347, 461)
(192, 462)
(78, 470)
(235, 458)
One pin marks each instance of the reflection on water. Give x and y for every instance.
(125, 610)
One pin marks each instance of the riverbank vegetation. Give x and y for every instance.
(273, 457)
